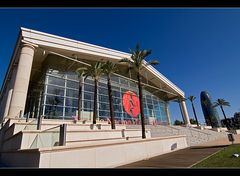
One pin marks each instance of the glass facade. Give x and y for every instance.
(60, 98)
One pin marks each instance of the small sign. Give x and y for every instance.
(230, 137)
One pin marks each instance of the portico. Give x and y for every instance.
(37, 57)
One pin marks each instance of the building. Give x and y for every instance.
(41, 81)
(210, 112)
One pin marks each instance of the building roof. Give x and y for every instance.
(68, 47)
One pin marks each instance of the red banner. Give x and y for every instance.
(131, 103)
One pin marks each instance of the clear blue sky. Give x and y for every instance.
(198, 49)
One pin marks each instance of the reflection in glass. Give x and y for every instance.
(61, 97)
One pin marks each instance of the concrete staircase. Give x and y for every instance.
(194, 136)
(86, 145)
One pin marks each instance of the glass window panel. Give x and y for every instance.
(144, 100)
(88, 96)
(89, 81)
(104, 85)
(126, 116)
(146, 112)
(103, 91)
(104, 114)
(73, 76)
(56, 81)
(53, 111)
(117, 115)
(149, 101)
(115, 88)
(115, 93)
(55, 90)
(145, 105)
(54, 100)
(71, 102)
(70, 111)
(154, 98)
(103, 106)
(155, 102)
(150, 113)
(72, 93)
(117, 108)
(163, 113)
(132, 84)
(124, 82)
(158, 115)
(150, 106)
(123, 90)
(115, 79)
(72, 84)
(117, 101)
(88, 105)
(89, 88)
(104, 77)
(103, 98)
(149, 97)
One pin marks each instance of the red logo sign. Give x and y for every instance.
(131, 103)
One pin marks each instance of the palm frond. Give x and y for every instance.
(152, 62)
(81, 71)
(222, 102)
(215, 104)
(109, 68)
(191, 98)
(125, 60)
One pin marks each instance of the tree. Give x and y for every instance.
(191, 99)
(110, 68)
(81, 73)
(192, 121)
(178, 122)
(221, 102)
(136, 63)
(95, 71)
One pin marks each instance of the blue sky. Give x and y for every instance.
(198, 48)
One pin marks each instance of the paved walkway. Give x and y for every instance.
(183, 158)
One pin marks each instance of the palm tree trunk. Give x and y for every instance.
(80, 97)
(195, 114)
(141, 105)
(224, 116)
(95, 101)
(111, 103)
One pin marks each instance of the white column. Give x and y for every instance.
(168, 114)
(185, 112)
(9, 97)
(21, 83)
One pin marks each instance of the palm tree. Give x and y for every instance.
(136, 62)
(95, 71)
(110, 68)
(191, 99)
(221, 102)
(81, 73)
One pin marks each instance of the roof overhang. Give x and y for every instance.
(68, 47)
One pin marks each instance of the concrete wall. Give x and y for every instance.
(94, 156)
(109, 155)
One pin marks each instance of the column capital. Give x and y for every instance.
(27, 45)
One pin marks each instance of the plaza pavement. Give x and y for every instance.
(184, 158)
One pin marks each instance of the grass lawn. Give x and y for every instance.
(223, 158)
